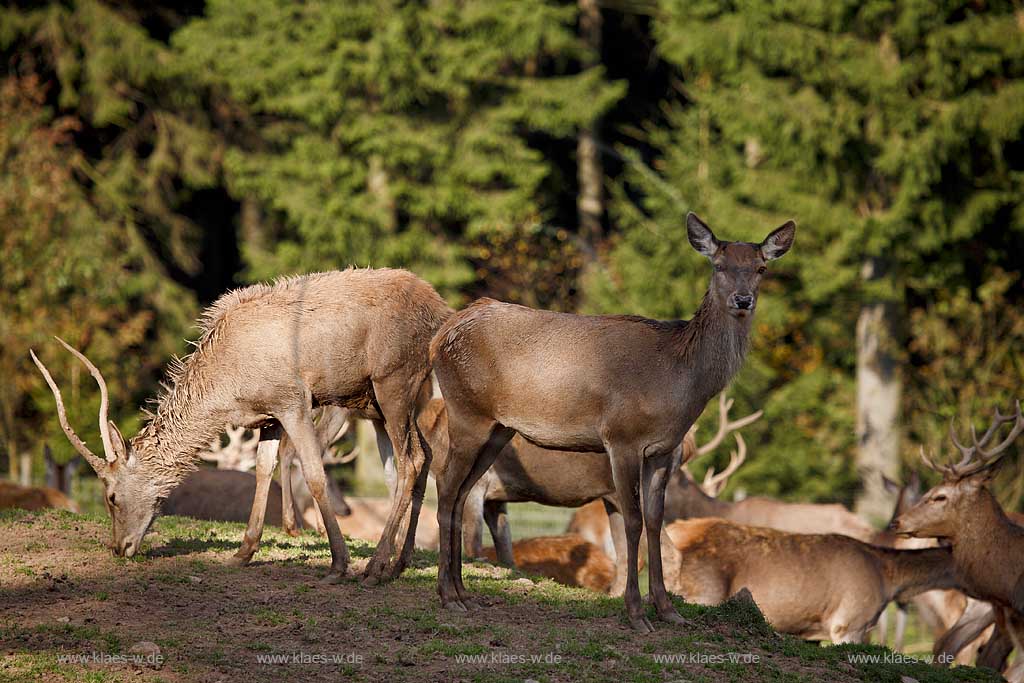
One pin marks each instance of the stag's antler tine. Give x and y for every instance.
(97, 463)
(714, 483)
(987, 456)
(108, 444)
(725, 425)
(965, 451)
(931, 465)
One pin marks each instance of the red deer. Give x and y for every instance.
(569, 559)
(33, 498)
(268, 355)
(221, 495)
(624, 385)
(816, 586)
(988, 548)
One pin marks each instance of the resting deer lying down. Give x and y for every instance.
(568, 559)
(627, 386)
(686, 499)
(816, 586)
(988, 548)
(33, 498)
(267, 356)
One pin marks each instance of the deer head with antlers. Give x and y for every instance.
(715, 482)
(964, 487)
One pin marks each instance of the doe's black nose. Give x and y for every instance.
(743, 301)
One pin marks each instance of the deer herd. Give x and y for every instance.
(593, 412)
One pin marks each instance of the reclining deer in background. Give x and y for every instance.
(988, 548)
(816, 586)
(686, 499)
(624, 385)
(269, 354)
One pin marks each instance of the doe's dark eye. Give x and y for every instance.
(939, 499)
(719, 267)
(760, 271)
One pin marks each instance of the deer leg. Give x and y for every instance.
(655, 477)
(473, 524)
(266, 459)
(302, 433)
(499, 437)
(287, 452)
(468, 437)
(496, 516)
(617, 530)
(901, 627)
(625, 460)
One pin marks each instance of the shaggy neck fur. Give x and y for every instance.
(183, 423)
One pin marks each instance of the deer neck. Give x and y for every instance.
(988, 548)
(909, 572)
(183, 424)
(712, 346)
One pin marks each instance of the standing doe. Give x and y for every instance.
(625, 385)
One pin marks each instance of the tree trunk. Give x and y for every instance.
(878, 400)
(590, 174)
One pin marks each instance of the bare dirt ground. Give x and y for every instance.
(69, 611)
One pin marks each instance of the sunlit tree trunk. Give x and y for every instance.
(590, 174)
(879, 392)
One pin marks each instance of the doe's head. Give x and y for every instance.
(131, 494)
(739, 266)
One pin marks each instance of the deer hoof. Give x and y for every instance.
(239, 560)
(641, 624)
(335, 576)
(672, 617)
(293, 532)
(455, 606)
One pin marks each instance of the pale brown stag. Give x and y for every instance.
(988, 548)
(267, 356)
(625, 385)
(816, 586)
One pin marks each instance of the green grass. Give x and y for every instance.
(576, 629)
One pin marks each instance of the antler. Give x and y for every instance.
(974, 457)
(97, 463)
(239, 454)
(724, 425)
(714, 483)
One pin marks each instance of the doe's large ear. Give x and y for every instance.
(700, 236)
(117, 441)
(779, 241)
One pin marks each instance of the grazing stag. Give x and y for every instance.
(569, 560)
(624, 385)
(268, 355)
(988, 548)
(816, 586)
